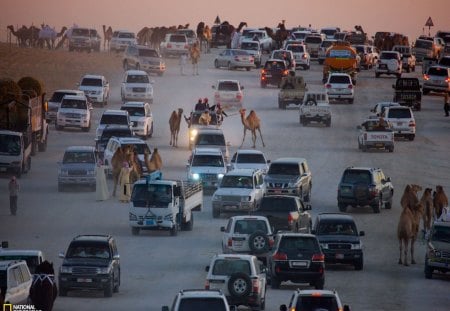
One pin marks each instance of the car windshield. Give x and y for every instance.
(178, 38)
(228, 86)
(339, 79)
(148, 53)
(251, 158)
(134, 111)
(343, 54)
(91, 82)
(88, 250)
(424, 44)
(249, 226)
(389, 56)
(126, 35)
(258, 34)
(441, 233)
(313, 303)
(137, 79)
(32, 260)
(284, 169)
(9, 144)
(250, 46)
(237, 182)
(207, 160)
(275, 66)
(291, 243)
(328, 32)
(399, 113)
(359, 49)
(79, 157)
(296, 48)
(239, 52)
(231, 266)
(280, 204)
(144, 195)
(114, 119)
(74, 104)
(195, 118)
(300, 35)
(357, 176)
(281, 55)
(437, 71)
(58, 96)
(336, 228)
(313, 39)
(139, 148)
(210, 139)
(82, 32)
(201, 303)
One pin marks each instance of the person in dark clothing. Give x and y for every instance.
(13, 188)
(200, 106)
(446, 105)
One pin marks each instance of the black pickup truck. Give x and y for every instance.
(408, 92)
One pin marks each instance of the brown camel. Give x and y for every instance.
(155, 162)
(252, 123)
(409, 197)
(427, 201)
(408, 225)
(279, 36)
(144, 36)
(440, 201)
(22, 34)
(107, 35)
(174, 122)
(121, 155)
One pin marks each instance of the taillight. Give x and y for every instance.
(230, 242)
(304, 56)
(169, 46)
(426, 77)
(285, 72)
(318, 258)
(255, 286)
(263, 71)
(412, 124)
(239, 96)
(207, 284)
(328, 86)
(186, 46)
(373, 190)
(271, 242)
(279, 256)
(350, 86)
(447, 80)
(290, 219)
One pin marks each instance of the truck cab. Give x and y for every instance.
(15, 153)
(437, 256)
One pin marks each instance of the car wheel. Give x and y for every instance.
(116, 287)
(391, 149)
(258, 242)
(239, 285)
(377, 75)
(110, 287)
(248, 68)
(281, 105)
(351, 101)
(342, 207)
(216, 63)
(189, 225)
(428, 270)
(411, 137)
(135, 231)
(275, 283)
(215, 212)
(377, 205)
(359, 265)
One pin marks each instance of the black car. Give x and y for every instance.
(296, 257)
(339, 239)
(108, 132)
(362, 186)
(274, 70)
(90, 263)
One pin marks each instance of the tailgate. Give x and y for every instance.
(378, 136)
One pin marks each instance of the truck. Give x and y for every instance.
(164, 205)
(408, 92)
(438, 249)
(291, 93)
(23, 131)
(374, 135)
(315, 107)
(340, 57)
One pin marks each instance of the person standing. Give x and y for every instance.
(446, 105)
(195, 56)
(183, 62)
(14, 188)
(124, 183)
(101, 187)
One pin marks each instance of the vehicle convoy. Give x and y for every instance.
(208, 166)
(340, 57)
(375, 135)
(23, 130)
(164, 205)
(437, 256)
(315, 108)
(408, 58)
(408, 92)
(55, 102)
(292, 90)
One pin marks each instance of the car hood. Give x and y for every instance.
(72, 110)
(93, 262)
(90, 88)
(207, 170)
(234, 191)
(78, 166)
(138, 85)
(281, 178)
(338, 238)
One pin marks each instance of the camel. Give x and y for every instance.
(279, 36)
(48, 36)
(227, 30)
(201, 34)
(427, 201)
(252, 123)
(440, 201)
(409, 197)
(144, 36)
(121, 155)
(107, 35)
(155, 162)
(22, 34)
(174, 122)
(408, 225)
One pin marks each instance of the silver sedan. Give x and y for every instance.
(234, 58)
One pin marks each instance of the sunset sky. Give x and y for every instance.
(405, 16)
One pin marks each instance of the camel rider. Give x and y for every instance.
(200, 106)
(205, 118)
(382, 124)
(290, 81)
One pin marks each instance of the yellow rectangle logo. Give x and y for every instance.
(7, 307)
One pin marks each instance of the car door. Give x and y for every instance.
(304, 219)
(261, 275)
(260, 188)
(385, 186)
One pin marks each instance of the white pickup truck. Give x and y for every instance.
(315, 107)
(164, 205)
(374, 135)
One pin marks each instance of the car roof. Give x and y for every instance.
(25, 252)
(91, 76)
(227, 80)
(115, 112)
(93, 237)
(136, 72)
(233, 256)
(80, 148)
(313, 292)
(248, 217)
(129, 140)
(116, 127)
(5, 264)
(295, 234)
(335, 216)
(134, 104)
(209, 130)
(241, 172)
(289, 160)
(249, 151)
(79, 97)
(211, 151)
(339, 74)
(209, 293)
(68, 90)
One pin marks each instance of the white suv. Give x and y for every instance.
(136, 85)
(96, 88)
(112, 117)
(141, 118)
(340, 87)
(74, 111)
(121, 39)
(242, 278)
(313, 299)
(301, 55)
(16, 279)
(206, 165)
(402, 121)
(250, 158)
(228, 93)
(199, 299)
(390, 63)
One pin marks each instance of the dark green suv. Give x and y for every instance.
(91, 262)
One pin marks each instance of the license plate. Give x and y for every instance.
(277, 191)
(399, 123)
(238, 243)
(231, 207)
(339, 256)
(383, 66)
(150, 222)
(79, 280)
(299, 264)
(379, 145)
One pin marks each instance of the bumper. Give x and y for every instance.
(11, 167)
(439, 263)
(436, 88)
(284, 191)
(233, 207)
(139, 130)
(316, 118)
(73, 122)
(355, 202)
(153, 68)
(271, 80)
(342, 256)
(152, 224)
(68, 281)
(299, 276)
(253, 300)
(88, 181)
(379, 144)
(138, 96)
(387, 72)
(340, 96)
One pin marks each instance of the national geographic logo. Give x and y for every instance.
(11, 307)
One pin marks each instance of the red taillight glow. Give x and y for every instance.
(426, 77)
(239, 96)
(447, 80)
(207, 284)
(318, 258)
(412, 124)
(350, 86)
(255, 286)
(169, 46)
(328, 86)
(290, 218)
(230, 242)
(279, 256)
(271, 242)
(285, 72)
(373, 190)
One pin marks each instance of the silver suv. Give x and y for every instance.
(77, 167)
(315, 300)
(142, 57)
(436, 79)
(199, 299)
(84, 39)
(437, 256)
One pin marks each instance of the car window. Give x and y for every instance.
(178, 38)
(230, 181)
(210, 139)
(336, 228)
(389, 56)
(445, 61)
(249, 46)
(249, 226)
(399, 113)
(114, 119)
(201, 303)
(424, 44)
(437, 71)
(313, 39)
(312, 303)
(137, 79)
(228, 267)
(339, 79)
(107, 134)
(58, 96)
(357, 176)
(228, 86)
(207, 160)
(73, 104)
(441, 233)
(250, 158)
(83, 32)
(32, 261)
(275, 66)
(296, 48)
(148, 53)
(280, 204)
(289, 243)
(126, 35)
(79, 157)
(89, 250)
(134, 111)
(284, 169)
(91, 82)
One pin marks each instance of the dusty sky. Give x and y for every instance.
(405, 16)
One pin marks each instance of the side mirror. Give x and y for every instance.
(116, 257)
(222, 229)
(268, 161)
(362, 233)
(307, 207)
(61, 255)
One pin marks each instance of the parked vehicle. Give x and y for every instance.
(141, 118)
(315, 108)
(390, 63)
(438, 246)
(408, 92)
(375, 135)
(136, 85)
(74, 111)
(250, 159)
(121, 39)
(164, 205)
(340, 87)
(54, 102)
(402, 121)
(199, 299)
(96, 88)
(291, 92)
(77, 167)
(273, 72)
(91, 262)
(16, 282)
(141, 57)
(436, 79)
(208, 166)
(316, 300)
(234, 59)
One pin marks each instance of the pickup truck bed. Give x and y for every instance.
(289, 95)
(372, 137)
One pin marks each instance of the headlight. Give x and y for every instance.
(132, 216)
(193, 133)
(65, 269)
(104, 270)
(246, 199)
(195, 176)
(64, 172)
(356, 246)
(220, 176)
(324, 245)
(217, 197)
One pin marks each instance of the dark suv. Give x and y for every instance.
(91, 262)
(274, 70)
(361, 186)
(339, 239)
(296, 257)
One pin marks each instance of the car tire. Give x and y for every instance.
(428, 270)
(135, 230)
(359, 264)
(411, 137)
(351, 101)
(342, 207)
(239, 285)
(377, 75)
(391, 149)
(258, 242)
(116, 287)
(248, 68)
(275, 283)
(190, 224)
(215, 212)
(377, 205)
(110, 287)
(281, 105)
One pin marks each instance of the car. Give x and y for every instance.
(141, 57)
(286, 55)
(362, 186)
(174, 45)
(375, 133)
(424, 48)
(54, 102)
(329, 31)
(247, 234)
(444, 61)
(121, 39)
(408, 92)
(390, 63)
(339, 239)
(323, 49)
(91, 262)
(273, 72)
(379, 107)
(190, 34)
(263, 38)
(313, 43)
(136, 85)
(194, 125)
(96, 88)
(33, 257)
(228, 93)
(301, 55)
(211, 137)
(402, 121)
(289, 176)
(366, 58)
(438, 243)
(206, 165)
(254, 49)
(315, 107)
(139, 145)
(340, 87)
(246, 34)
(314, 299)
(250, 158)
(436, 79)
(240, 191)
(234, 59)
(300, 34)
(408, 58)
(82, 38)
(296, 257)
(199, 299)
(77, 167)
(240, 277)
(15, 280)
(74, 111)
(107, 133)
(114, 117)
(141, 118)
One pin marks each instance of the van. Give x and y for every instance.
(16, 278)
